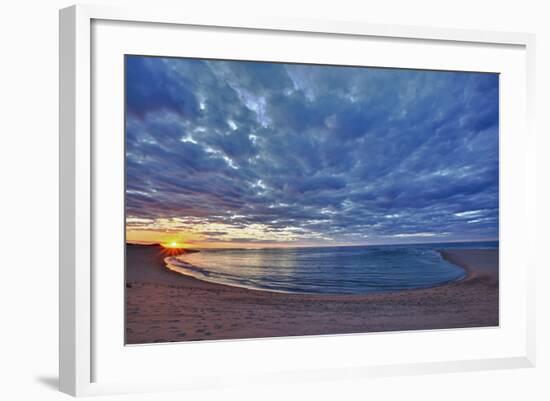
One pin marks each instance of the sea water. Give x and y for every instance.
(326, 270)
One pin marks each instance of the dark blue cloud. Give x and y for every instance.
(150, 88)
(342, 153)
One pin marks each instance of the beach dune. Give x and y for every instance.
(164, 306)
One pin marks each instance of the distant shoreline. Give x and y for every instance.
(165, 306)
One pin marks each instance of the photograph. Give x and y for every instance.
(280, 199)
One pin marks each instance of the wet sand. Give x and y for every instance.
(164, 306)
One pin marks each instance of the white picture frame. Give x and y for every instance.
(79, 349)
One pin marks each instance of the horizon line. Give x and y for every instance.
(326, 246)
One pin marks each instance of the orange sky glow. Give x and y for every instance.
(193, 233)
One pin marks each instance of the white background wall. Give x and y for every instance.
(28, 201)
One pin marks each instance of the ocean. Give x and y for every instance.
(326, 270)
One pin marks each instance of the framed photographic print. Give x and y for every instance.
(352, 197)
(300, 199)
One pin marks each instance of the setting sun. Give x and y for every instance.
(173, 245)
(173, 248)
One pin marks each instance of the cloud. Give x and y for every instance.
(311, 153)
(150, 86)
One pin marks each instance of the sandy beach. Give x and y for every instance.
(164, 306)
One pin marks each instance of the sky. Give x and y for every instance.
(252, 154)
